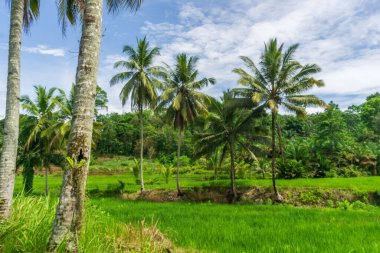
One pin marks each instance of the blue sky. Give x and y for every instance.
(343, 37)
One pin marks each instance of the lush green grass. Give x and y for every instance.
(30, 224)
(254, 228)
(102, 182)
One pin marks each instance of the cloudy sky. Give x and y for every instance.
(343, 37)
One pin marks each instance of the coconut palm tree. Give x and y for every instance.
(41, 118)
(69, 216)
(227, 129)
(23, 13)
(140, 84)
(278, 81)
(181, 97)
(61, 129)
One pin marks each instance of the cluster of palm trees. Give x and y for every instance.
(278, 81)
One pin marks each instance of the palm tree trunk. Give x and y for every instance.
(69, 216)
(46, 181)
(11, 122)
(280, 142)
(232, 172)
(28, 176)
(277, 195)
(141, 149)
(178, 163)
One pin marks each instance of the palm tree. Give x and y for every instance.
(279, 81)
(41, 118)
(23, 13)
(69, 216)
(226, 130)
(140, 84)
(181, 97)
(61, 129)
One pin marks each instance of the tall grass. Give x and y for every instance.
(29, 227)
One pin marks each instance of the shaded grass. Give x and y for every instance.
(255, 228)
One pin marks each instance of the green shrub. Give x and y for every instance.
(351, 171)
(345, 205)
(311, 197)
(291, 169)
(358, 205)
(330, 203)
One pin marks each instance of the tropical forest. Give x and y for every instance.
(189, 126)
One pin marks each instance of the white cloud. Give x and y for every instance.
(44, 50)
(343, 38)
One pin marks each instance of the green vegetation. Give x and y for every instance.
(28, 230)
(254, 228)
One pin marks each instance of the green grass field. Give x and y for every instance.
(254, 228)
(102, 182)
(211, 227)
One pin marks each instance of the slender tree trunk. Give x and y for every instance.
(11, 122)
(280, 142)
(232, 172)
(28, 174)
(277, 194)
(46, 181)
(178, 163)
(215, 172)
(141, 149)
(69, 216)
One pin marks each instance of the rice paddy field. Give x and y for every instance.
(210, 227)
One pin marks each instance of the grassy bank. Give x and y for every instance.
(255, 228)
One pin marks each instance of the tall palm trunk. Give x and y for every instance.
(141, 149)
(46, 181)
(280, 142)
(232, 172)
(11, 123)
(178, 163)
(68, 220)
(277, 195)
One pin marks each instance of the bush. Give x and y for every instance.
(351, 171)
(291, 169)
(311, 197)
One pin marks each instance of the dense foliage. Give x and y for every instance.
(326, 144)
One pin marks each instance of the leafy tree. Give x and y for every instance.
(370, 112)
(140, 84)
(279, 81)
(331, 136)
(181, 97)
